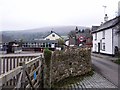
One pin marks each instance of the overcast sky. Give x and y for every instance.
(29, 14)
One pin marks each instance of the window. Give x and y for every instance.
(103, 36)
(103, 46)
(95, 36)
(43, 44)
(53, 35)
(47, 45)
(47, 39)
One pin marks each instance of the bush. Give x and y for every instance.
(117, 61)
(47, 56)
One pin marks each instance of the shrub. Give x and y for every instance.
(117, 61)
(47, 56)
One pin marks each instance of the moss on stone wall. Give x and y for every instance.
(70, 63)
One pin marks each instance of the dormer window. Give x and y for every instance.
(53, 35)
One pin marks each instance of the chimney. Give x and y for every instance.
(101, 23)
(119, 8)
(76, 29)
(106, 18)
(51, 31)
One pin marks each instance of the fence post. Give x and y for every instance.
(42, 73)
(0, 65)
(24, 75)
(21, 80)
(0, 85)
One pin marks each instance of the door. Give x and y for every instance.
(98, 47)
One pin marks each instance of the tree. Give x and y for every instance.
(60, 42)
(72, 34)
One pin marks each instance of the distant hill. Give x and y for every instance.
(37, 33)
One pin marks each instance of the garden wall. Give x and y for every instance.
(70, 62)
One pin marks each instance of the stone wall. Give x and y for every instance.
(70, 62)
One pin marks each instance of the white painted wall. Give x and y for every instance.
(67, 42)
(119, 40)
(99, 37)
(94, 42)
(108, 42)
(115, 39)
(50, 37)
(119, 8)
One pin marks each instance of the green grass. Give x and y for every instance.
(118, 61)
(71, 80)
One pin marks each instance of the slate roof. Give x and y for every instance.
(42, 41)
(95, 28)
(109, 24)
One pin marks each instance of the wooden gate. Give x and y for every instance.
(26, 75)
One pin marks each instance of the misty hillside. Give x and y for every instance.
(36, 33)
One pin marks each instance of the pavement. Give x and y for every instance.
(94, 81)
(104, 56)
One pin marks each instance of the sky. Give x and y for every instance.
(30, 14)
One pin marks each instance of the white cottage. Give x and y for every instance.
(105, 38)
(52, 36)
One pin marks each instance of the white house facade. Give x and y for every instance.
(52, 36)
(105, 39)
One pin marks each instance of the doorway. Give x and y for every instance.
(98, 47)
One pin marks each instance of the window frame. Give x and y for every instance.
(103, 34)
(95, 36)
(103, 46)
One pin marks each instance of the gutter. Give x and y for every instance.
(105, 28)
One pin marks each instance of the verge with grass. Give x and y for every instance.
(117, 61)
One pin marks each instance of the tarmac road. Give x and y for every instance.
(107, 68)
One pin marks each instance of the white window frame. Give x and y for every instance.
(103, 34)
(95, 36)
(103, 46)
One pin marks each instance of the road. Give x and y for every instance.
(107, 68)
(22, 54)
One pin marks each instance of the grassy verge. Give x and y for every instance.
(118, 61)
(71, 80)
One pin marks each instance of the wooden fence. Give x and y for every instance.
(9, 63)
(25, 73)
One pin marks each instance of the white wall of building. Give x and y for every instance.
(115, 39)
(95, 42)
(109, 44)
(94, 48)
(119, 40)
(67, 42)
(52, 36)
(119, 8)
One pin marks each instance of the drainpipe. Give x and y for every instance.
(112, 42)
